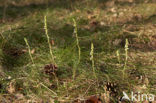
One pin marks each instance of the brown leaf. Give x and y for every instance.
(110, 3)
(24, 50)
(52, 42)
(32, 51)
(91, 16)
(78, 11)
(94, 99)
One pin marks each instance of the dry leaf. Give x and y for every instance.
(110, 3)
(78, 11)
(32, 51)
(19, 96)
(52, 100)
(102, 23)
(24, 50)
(94, 99)
(116, 42)
(52, 42)
(91, 16)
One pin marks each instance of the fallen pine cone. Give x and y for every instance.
(50, 69)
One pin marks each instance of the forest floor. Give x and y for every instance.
(91, 48)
